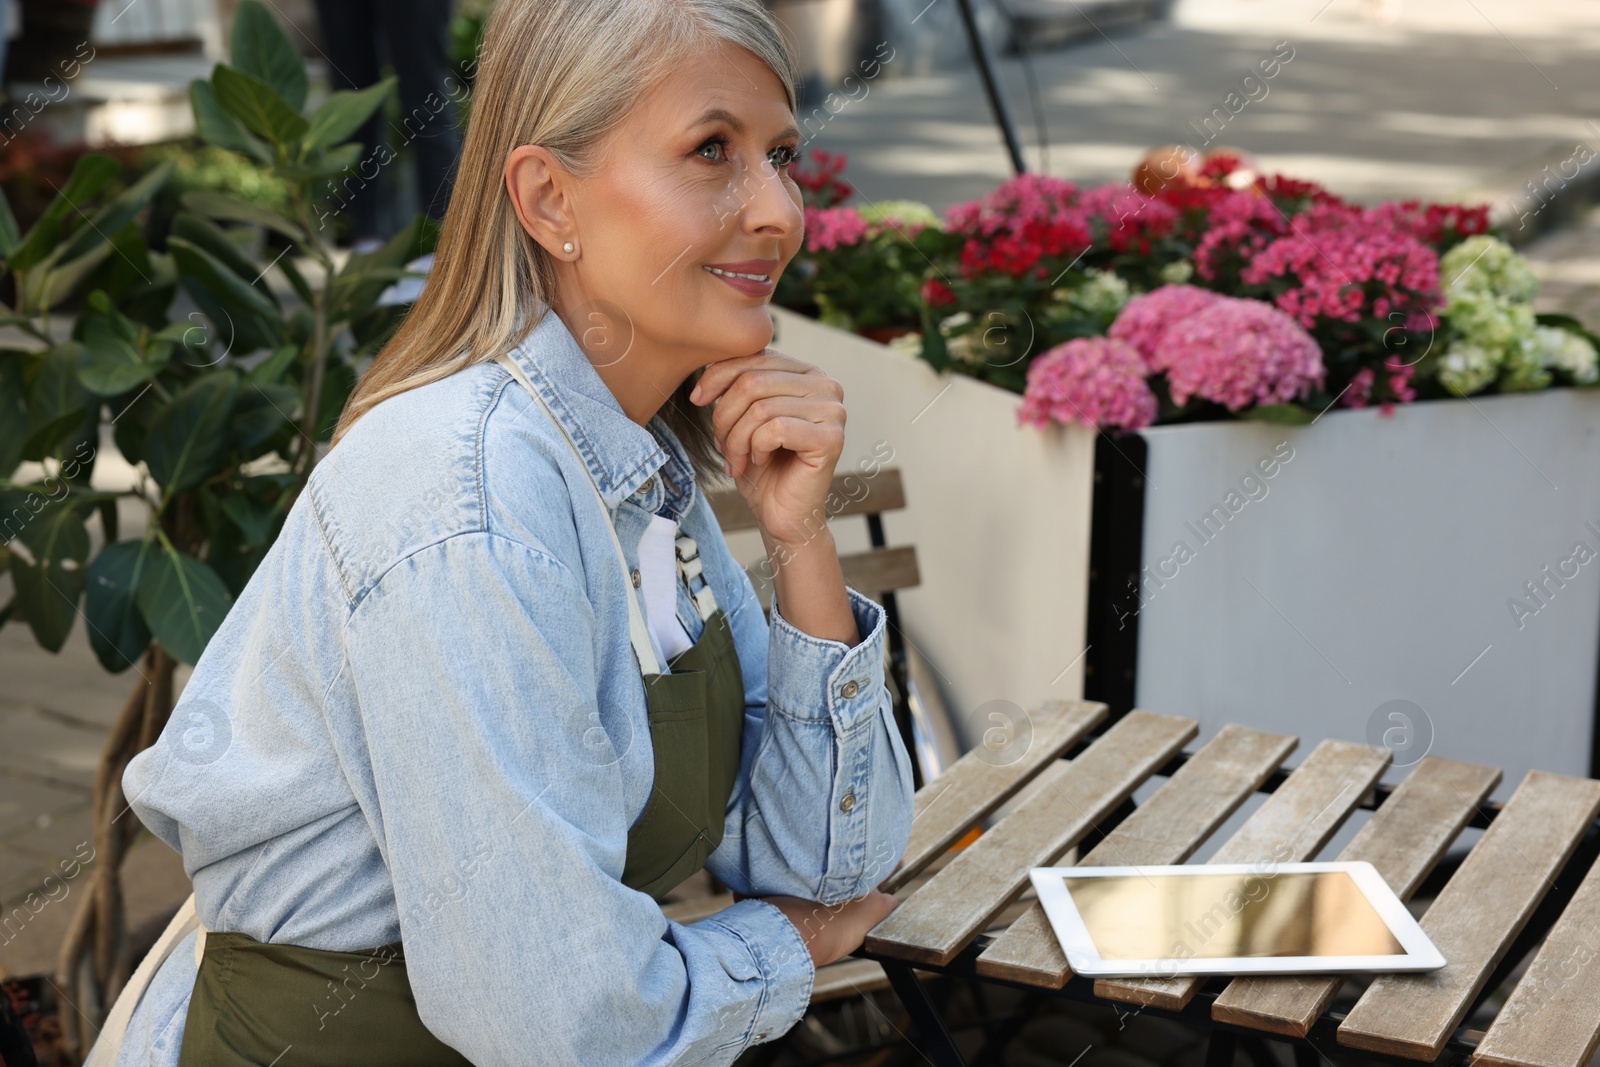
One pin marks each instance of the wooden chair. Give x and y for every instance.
(877, 572)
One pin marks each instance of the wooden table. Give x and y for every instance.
(1529, 883)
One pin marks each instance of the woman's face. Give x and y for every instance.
(696, 178)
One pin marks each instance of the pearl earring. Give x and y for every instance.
(567, 247)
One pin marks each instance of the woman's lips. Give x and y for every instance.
(747, 286)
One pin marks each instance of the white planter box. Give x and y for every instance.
(1381, 564)
(999, 515)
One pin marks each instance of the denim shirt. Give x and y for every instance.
(422, 721)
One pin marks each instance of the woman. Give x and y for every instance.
(465, 726)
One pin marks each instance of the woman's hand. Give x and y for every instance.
(832, 932)
(779, 423)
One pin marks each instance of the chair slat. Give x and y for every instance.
(1404, 839)
(985, 778)
(1476, 916)
(1167, 828)
(955, 905)
(851, 493)
(873, 572)
(1293, 823)
(1553, 1016)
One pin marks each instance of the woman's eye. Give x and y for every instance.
(785, 155)
(713, 142)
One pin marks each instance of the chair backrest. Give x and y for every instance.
(877, 572)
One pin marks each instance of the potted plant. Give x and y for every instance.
(223, 413)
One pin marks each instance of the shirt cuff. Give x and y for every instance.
(813, 678)
(781, 959)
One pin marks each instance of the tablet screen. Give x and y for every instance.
(1201, 916)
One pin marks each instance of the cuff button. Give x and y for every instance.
(850, 689)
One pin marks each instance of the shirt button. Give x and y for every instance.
(850, 689)
(848, 801)
(647, 485)
(636, 577)
(762, 1036)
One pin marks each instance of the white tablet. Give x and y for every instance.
(1231, 918)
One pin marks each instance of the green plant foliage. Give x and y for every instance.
(223, 411)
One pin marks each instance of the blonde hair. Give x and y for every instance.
(562, 74)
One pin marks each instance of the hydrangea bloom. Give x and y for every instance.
(1095, 381)
(1491, 323)
(1521, 370)
(1565, 351)
(828, 228)
(1485, 266)
(1103, 292)
(1239, 352)
(1465, 368)
(1144, 321)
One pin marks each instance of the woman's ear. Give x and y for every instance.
(536, 185)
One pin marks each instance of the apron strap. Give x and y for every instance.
(638, 632)
(108, 1044)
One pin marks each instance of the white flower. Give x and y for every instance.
(1177, 272)
(1102, 292)
(1565, 351)
(1487, 266)
(1467, 368)
(909, 343)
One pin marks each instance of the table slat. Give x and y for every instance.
(1292, 825)
(985, 778)
(1404, 839)
(1476, 916)
(1166, 828)
(934, 923)
(1553, 1016)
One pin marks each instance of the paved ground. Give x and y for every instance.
(1453, 98)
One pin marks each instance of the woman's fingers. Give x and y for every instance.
(715, 378)
(807, 425)
(762, 383)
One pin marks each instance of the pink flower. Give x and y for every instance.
(1240, 352)
(1095, 381)
(1359, 389)
(1144, 320)
(828, 228)
(1345, 262)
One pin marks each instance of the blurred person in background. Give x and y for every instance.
(414, 36)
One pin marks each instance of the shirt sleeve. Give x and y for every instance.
(503, 826)
(823, 808)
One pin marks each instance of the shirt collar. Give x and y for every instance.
(620, 454)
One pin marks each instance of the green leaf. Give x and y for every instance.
(89, 175)
(220, 128)
(47, 284)
(8, 227)
(117, 632)
(48, 586)
(333, 163)
(215, 242)
(48, 437)
(273, 367)
(60, 410)
(236, 209)
(197, 265)
(254, 103)
(261, 411)
(119, 212)
(342, 114)
(1284, 414)
(254, 517)
(187, 438)
(259, 47)
(108, 519)
(113, 364)
(183, 602)
(13, 414)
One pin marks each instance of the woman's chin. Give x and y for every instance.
(740, 333)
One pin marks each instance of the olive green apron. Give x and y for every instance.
(253, 1002)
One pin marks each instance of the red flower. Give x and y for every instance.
(937, 294)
